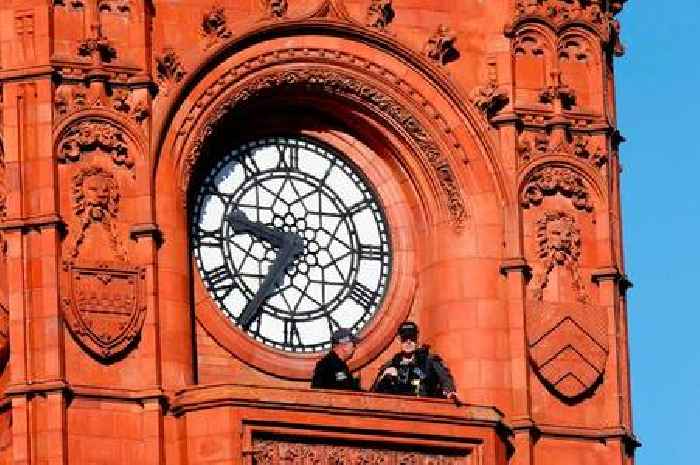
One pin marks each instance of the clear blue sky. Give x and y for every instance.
(657, 95)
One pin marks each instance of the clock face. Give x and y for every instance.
(291, 242)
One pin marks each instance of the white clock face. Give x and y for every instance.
(291, 242)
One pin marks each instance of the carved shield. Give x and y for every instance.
(568, 345)
(104, 306)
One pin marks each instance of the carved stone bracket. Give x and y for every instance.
(558, 91)
(90, 136)
(380, 14)
(169, 70)
(551, 180)
(214, 26)
(440, 47)
(97, 46)
(338, 84)
(276, 9)
(489, 98)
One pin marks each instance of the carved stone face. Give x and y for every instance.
(559, 238)
(97, 193)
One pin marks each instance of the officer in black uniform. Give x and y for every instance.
(332, 371)
(415, 371)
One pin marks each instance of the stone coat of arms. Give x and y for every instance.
(568, 340)
(103, 302)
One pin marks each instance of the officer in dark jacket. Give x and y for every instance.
(331, 371)
(415, 371)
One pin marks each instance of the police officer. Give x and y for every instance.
(415, 371)
(332, 371)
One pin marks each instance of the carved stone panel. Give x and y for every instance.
(566, 331)
(104, 306)
(273, 452)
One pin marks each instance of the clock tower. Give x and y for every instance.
(194, 195)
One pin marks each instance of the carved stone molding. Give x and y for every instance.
(273, 452)
(489, 98)
(103, 306)
(532, 145)
(114, 6)
(214, 26)
(567, 340)
(380, 13)
(91, 136)
(95, 199)
(337, 84)
(169, 70)
(440, 47)
(551, 180)
(73, 96)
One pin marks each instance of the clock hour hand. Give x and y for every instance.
(290, 246)
(241, 224)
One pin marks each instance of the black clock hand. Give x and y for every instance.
(290, 245)
(241, 224)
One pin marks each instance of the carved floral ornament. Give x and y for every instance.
(551, 180)
(91, 136)
(214, 26)
(380, 13)
(336, 84)
(532, 145)
(272, 452)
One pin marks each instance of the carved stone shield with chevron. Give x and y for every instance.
(568, 345)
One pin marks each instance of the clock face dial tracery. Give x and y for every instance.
(291, 242)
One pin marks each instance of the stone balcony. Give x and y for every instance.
(238, 424)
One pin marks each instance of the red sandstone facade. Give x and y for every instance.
(488, 129)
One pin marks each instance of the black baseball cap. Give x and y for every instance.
(343, 335)
(408, 330)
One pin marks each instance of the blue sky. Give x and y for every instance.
(657, 95)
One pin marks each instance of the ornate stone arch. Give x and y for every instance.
(457, 99)
(534, 54)
(581, 63)
(434, 149)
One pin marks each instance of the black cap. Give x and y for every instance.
(342, 335)
(408, 330)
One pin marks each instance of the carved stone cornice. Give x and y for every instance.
(335, 83)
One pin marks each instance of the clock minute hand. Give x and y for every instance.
(290, 245)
